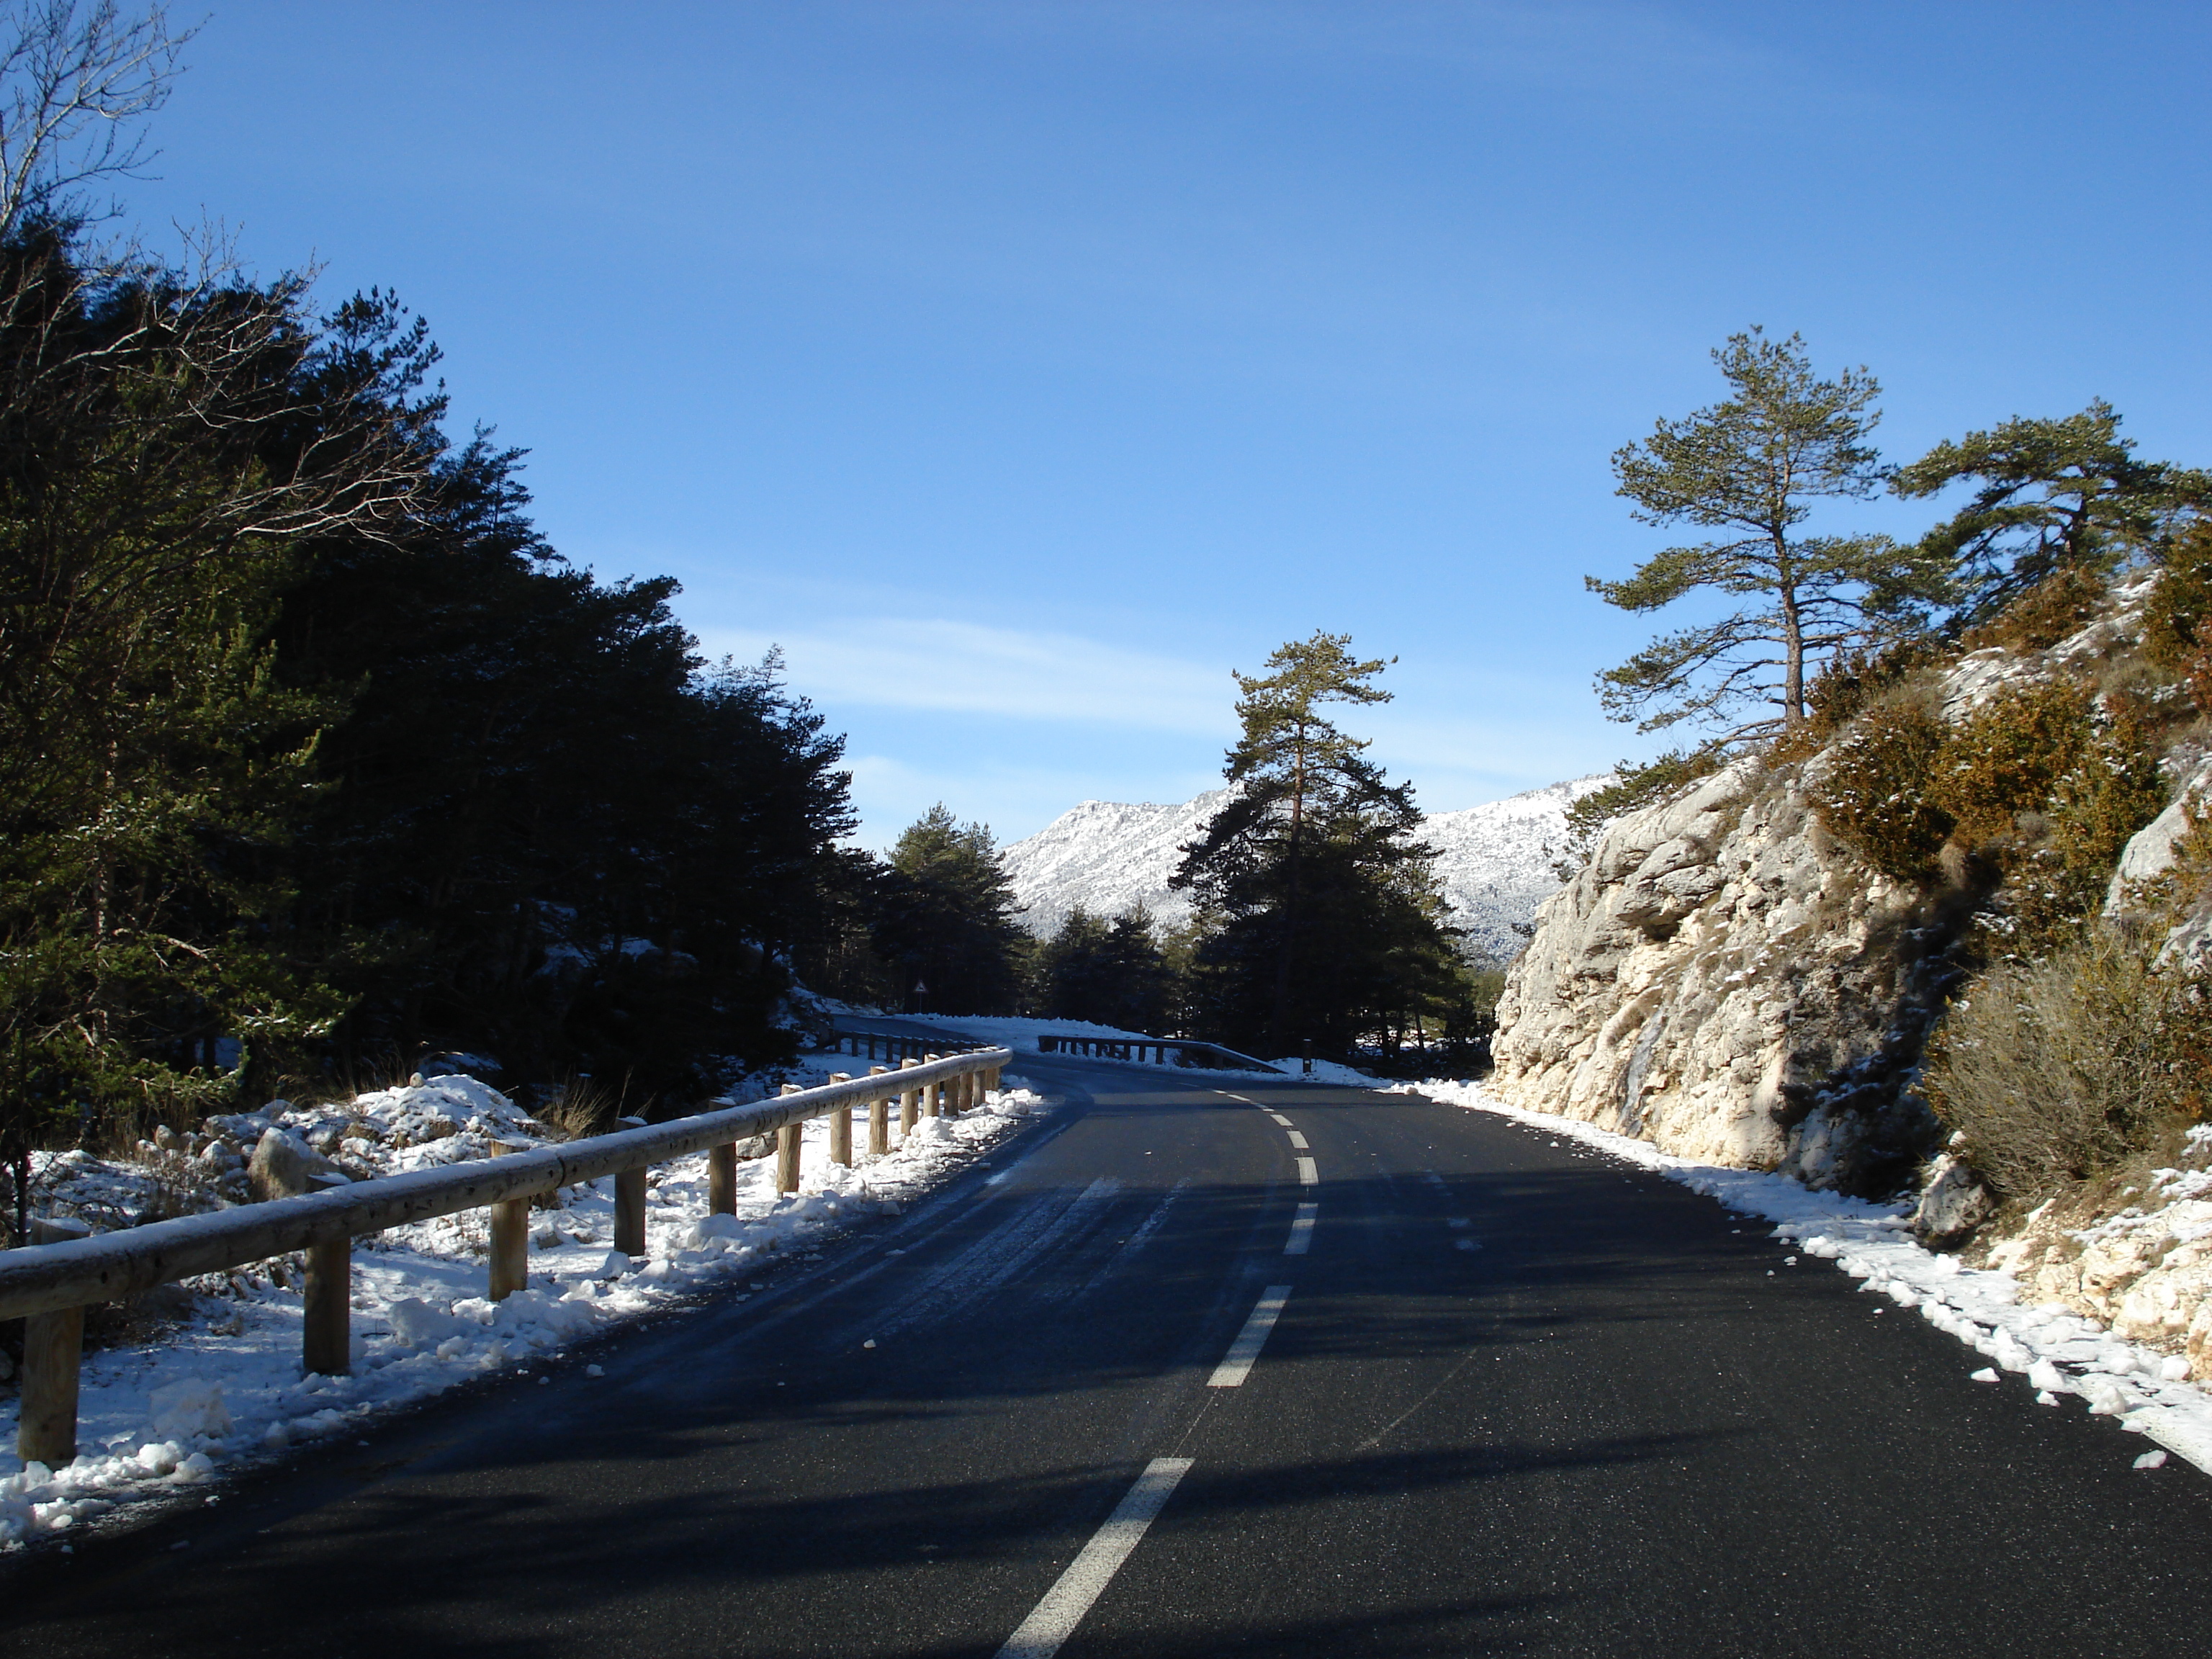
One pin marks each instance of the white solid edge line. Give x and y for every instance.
(1237, 1364)
(1308, 1176)
(1302, 1230)
(1054, 1619)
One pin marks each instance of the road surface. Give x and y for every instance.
(1118, 1393)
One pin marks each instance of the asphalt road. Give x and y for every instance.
(1516, 1399)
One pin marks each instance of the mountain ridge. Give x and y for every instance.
(1495, 861)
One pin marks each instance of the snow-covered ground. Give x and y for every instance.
(223, 1386)
(1329, 1072)
(1495, 864)
(2058, 1353)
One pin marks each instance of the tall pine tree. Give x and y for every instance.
(1322, 918)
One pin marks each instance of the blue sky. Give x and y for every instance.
(1022, 369)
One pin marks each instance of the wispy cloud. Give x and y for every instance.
(942, 664)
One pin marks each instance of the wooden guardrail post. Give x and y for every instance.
(326, 1322)
(629, 1200)
(879, 1119)
(932, 1094)
(909, 1102)
(510, 1248)
(787, 1151)
(722, 1179)
(841, 1126)
(53, 1354)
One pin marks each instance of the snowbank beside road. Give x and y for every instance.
(2057, 1351)
(224, 1386)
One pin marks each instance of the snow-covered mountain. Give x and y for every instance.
(1107, 855)
(1497, 860)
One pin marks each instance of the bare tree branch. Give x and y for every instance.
(76, 79)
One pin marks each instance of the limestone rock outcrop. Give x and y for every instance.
(1728, 982)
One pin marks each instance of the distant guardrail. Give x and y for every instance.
(49, 1283)
(1210, 1056)
(885, 1045)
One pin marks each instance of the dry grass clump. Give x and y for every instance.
(2056, 1070)
(579, 1106)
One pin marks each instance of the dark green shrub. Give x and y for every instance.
(2061, 604)
(1874, 795)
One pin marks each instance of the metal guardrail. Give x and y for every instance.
(884, 1045)
(1189, 1052)
(48, 1285)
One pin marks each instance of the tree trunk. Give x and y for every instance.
(1793, 647)
(1282, 1022)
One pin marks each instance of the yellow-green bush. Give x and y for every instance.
(1636, 786)
(2177, 619)
(2007, 757)
(2029, 785)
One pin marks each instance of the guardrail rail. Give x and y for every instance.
(49, 1283)
(885, 1045)
(1188, 1051)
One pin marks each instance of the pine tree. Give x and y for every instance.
(1753, 467)
(1112, 973)
(158, 467)
(945, 921)
(2057, 496)
(1319, 911)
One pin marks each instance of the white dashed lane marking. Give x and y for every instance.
(1054, 1618)
(1297, 1140)
(1308, 1176)
(1237, 1364)
(1302, 1230)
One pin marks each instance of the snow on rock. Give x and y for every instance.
(2145, 1271)
(285, 1166)
(223, 1385)
(1496, 862)
(1993, 1310)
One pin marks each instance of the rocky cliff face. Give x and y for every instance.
(1726, 981)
